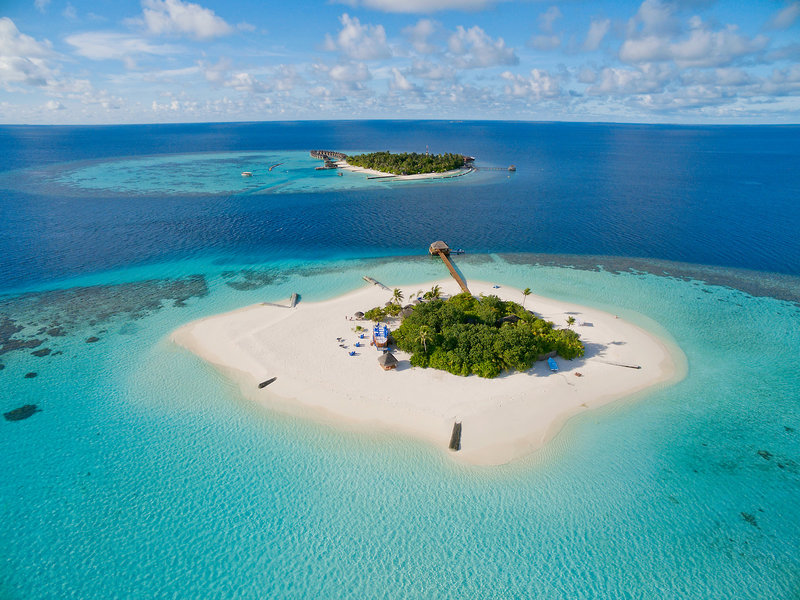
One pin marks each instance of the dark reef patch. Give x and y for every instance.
(42, 352)
(92, 340)
(23, 412)
(750, 518)
(249, 279)
(57, 313)
(31, 375)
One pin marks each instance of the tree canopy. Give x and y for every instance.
(466, 335)
(407, 164)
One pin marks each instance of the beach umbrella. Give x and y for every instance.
(359, 315)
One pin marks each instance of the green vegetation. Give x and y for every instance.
(407, 164)
(466, 335)
(380, 313)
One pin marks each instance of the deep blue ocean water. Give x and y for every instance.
(146, 475)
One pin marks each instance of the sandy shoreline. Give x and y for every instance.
(343, 164)
(503, 418)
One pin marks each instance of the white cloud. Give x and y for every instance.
(421, 6)
(23, 60)
(183, 18)
(361, 42)
(545, 42)
(419, 35)
(400, 82)
(785, 17)
(53, 105)
(540, 85)
(107, 45)
(702, 47)
(41, 5)
(647, 79)
(350, 73)
(548, 18)
(473, 48)
(69, 12)
(431, 71)
(597, 31)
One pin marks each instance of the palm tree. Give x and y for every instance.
(397, 296)
(423, 336)
(436, 291)
(570, 321)
(525, 293)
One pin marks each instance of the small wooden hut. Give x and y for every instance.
(387, 360)
(438, 247)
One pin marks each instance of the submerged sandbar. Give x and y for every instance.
(502, 419)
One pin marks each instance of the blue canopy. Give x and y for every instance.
(552, 363)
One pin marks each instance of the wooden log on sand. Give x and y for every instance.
(455, 437)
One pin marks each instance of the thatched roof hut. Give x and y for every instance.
(358, 314)
(508, 319)
(406, 311)
(439, 246)
(387, 361)
(388, 304)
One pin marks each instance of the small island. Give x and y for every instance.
(408, 163)
(397, 166)
(331, 362)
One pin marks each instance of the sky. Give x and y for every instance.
(176, 61)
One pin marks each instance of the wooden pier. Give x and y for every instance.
(443, 250)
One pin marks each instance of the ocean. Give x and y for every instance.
(146, 475)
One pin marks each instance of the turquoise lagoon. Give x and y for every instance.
(146, 475)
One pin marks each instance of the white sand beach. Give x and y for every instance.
(344, 165)
(503, 419)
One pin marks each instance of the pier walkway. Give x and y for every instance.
(443, 250)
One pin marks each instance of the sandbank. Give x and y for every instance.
(343, 164)
(503, 419)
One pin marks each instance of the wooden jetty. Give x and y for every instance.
(375, 282)
(323, 154)
(455, 437)
(443, 250)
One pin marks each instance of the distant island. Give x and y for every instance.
(397, 167)
(408, 163)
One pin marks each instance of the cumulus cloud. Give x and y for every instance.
(539, 85)
(350, 73)
(53, 105)
(613, 81)
(23, 60)
(473, 48)
(421, 6)
(360, 42)
(701, 47)
(400, 83)
(182, 18)
(785, 17)
(597, 31)
(420, 34)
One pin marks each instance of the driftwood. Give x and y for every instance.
(455, 437)
(264, 384)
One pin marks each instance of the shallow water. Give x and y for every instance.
(145, 474)
(145, 464)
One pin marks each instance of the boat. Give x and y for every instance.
(553, 365)
(247, 173)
